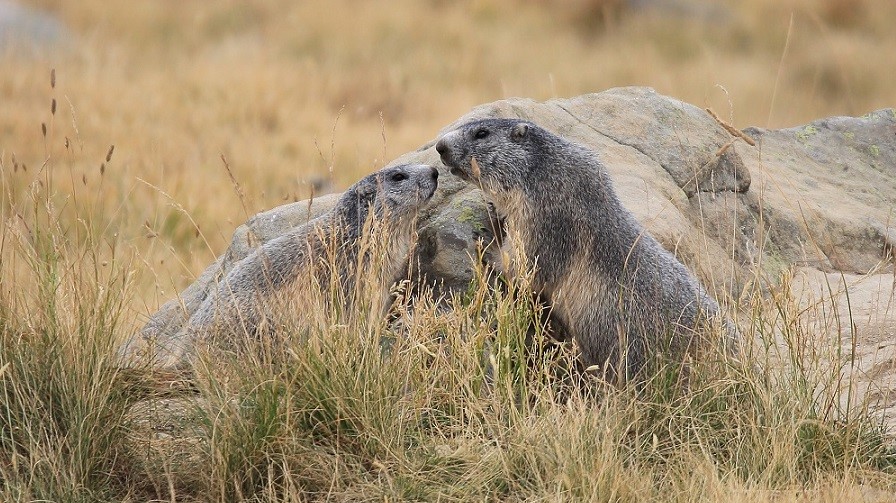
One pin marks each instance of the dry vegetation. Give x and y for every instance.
(299, 94)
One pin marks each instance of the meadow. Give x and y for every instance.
(131, 149)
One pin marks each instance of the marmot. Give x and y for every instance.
(368, 233)
(609, 284)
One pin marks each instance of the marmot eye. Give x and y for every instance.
(398, 177)
(480, 134)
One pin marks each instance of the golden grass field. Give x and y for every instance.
(296, 95)
(293, 93)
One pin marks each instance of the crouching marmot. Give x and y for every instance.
(329, 262)
(610, 285)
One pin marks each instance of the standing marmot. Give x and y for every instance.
(331, 260)
(610, 285)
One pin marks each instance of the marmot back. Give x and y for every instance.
(611, 286)
(369, 232)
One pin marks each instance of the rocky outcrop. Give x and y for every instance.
(731, 205)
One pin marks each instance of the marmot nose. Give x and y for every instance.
(441, 147)
(434, 173)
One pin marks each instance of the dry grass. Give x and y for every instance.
(451, 405)
(295, 94)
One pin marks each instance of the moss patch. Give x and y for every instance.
(806, 133)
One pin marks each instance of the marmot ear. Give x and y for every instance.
(520, 130)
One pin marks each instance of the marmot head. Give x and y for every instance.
(395, 193)
(505, 151)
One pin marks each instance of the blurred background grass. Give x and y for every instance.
(308, 96)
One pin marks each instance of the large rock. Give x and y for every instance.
(821, 195)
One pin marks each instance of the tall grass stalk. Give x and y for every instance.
(61, 309)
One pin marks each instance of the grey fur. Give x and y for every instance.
(236, 308)
(610, 285)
